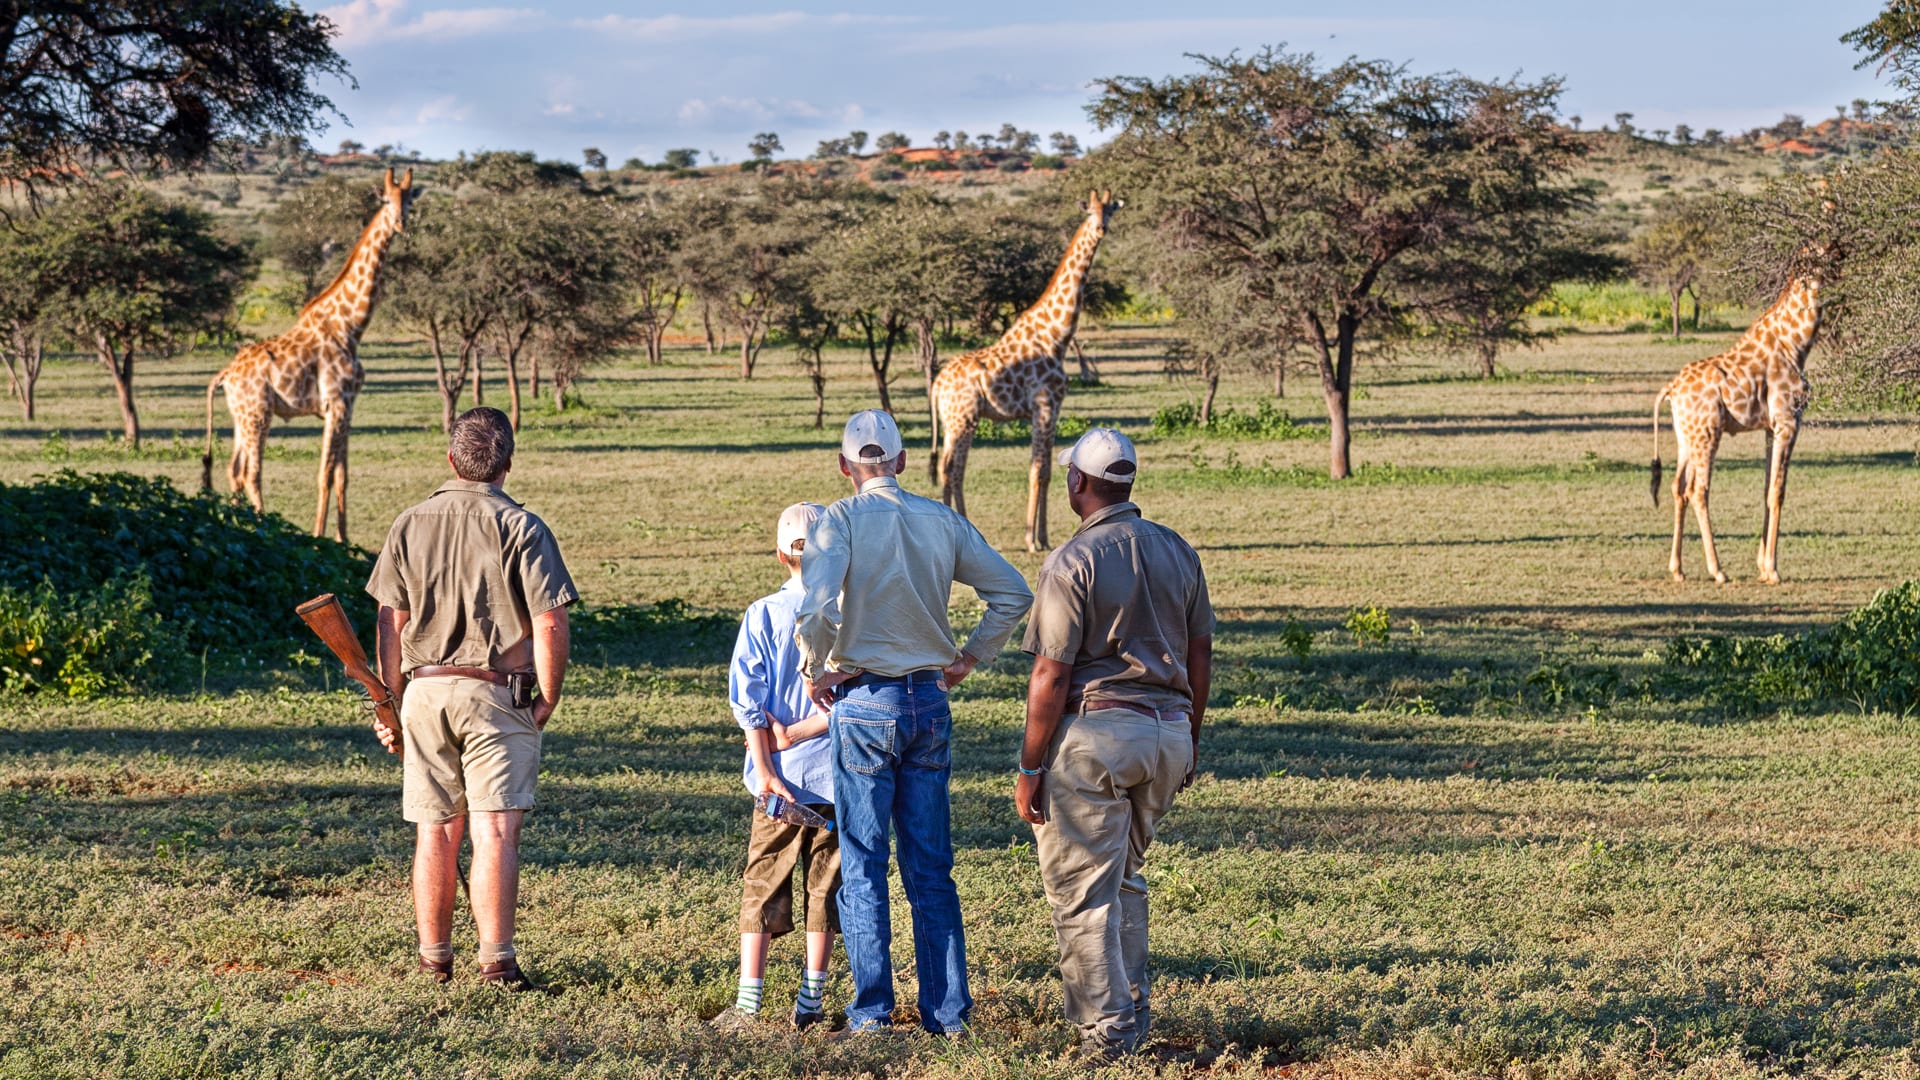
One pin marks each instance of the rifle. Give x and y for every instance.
(328, 619)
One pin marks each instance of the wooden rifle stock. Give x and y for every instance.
(328, 619)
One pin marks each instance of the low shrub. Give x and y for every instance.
(106, 640)
(1264, 422)
(1020, 431)
(1870, 659)
(222, 579)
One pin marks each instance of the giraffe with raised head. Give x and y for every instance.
(1020, 376)
(311, 370)
(1758, 385)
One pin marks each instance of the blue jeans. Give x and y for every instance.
(891, 764)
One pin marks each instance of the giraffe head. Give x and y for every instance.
(1100, 207)
(395, 198)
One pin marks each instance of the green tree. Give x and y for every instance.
(430, 291)
(764, 145)
(595, 158)
(683, 157)
(137, 274)
(1891, 43)
(1673, 250)
(27, 289)
(892, 142)
(312, 229)
(649, 236)
(890, 273)
(506, 172)
(154, 82)
(1064, 144)
(1313, 186)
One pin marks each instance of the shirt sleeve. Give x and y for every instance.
(823, 574)
(747, 675)
(1000, 586)
(543, 574)
(1058, 624)
(386, 585)
(1200, 620)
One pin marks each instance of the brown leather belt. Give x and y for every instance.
(1144, 710)
(441, 671)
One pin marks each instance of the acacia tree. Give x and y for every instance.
(1315, 184)
(154, 82)
(648, 236)
(430, 291)
(315, 223)
(26, 292)
(1673, 250)
(136, 274)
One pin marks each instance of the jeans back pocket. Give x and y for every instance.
(866, 745)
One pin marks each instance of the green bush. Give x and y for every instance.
(106, 640)
(1265, 422)
(1870, 659)
(1021, 431)
(223, 579)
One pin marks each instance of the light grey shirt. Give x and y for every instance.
(890, 558)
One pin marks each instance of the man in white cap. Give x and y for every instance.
(883, 664)
(1122, 642)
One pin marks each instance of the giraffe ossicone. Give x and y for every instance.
(311, 370)
(1019, 377)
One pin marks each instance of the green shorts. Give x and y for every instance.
(467, 749)
(774, 850)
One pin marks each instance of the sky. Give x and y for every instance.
(556, 76)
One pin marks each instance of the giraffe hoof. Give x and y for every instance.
(1678, 575)
(1769, 579)
(1719, 577)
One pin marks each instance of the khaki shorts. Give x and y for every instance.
(774, 849)
(468, 749)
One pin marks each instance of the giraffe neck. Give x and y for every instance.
(342, 309)
(1786, 328)
(1050, 321)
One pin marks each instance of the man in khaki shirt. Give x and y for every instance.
(473, 613)
(882, 667)
(1122, 642)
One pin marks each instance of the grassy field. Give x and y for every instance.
(1493, 844)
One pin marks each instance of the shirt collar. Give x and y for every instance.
(1108, 513)
(879, 482)
(792, 585)
(474, 487)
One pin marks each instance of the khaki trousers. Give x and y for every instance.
(1111, 775)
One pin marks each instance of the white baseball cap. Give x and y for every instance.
(795, 520)
(870, 427)
(1099, 451)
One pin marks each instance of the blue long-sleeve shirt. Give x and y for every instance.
(764, 679)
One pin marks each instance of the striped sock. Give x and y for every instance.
(748, 999)
(813, 989)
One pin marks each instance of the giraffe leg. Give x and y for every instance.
(1700, 485)
(953, 466)
(249, 456)
(1776, 501)
(340, 481)
(1040, 471)
(1680, 500)
(329, 455)
(1766, 509)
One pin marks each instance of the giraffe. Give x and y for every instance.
(311, 370)
(1758, 385)
(1021, 376)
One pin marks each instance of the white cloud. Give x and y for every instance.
(683, 27)
(1305, 34)
(696, 111)
(445, 109)
(370, 22)
(560, 108)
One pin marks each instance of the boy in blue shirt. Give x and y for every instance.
(787, 755)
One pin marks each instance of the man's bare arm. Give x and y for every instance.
(1046, 699)
(1200, 680)
(552, 638)
(386, 647)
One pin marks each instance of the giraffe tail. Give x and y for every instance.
(1654, 486)
(206, 456)
(933, 452)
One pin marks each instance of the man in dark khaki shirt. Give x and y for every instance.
(473, 610)
(1121, 634)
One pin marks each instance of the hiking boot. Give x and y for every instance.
(440, 971)
(506, 975)
(802, 1019)
(735, 1020)
(1095, 1050)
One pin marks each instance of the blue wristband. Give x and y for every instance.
(1024, 771)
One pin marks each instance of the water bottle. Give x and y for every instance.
(791, 812)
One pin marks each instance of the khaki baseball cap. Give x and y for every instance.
(1105, 453)
(870, 427)
(795, 520)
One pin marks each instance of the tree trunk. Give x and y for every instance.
(513, 390)
(818, 373)
(30, 376)
(1089, 374)
(449, 387)
(929, 367)
(748, 353)
(1695, 297)
(656, 333)
(533, 376)
(1212, 376)
(1279, 376)
(479, 357)
(1673, 305)
(559, 394)
(1336, 381)
(120, 369)
(706, 324)
(880, 358)
(1488, 351)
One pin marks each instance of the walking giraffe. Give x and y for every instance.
(311, 370)
(1018, 377)
(1758, 385)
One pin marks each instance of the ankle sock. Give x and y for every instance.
(492, 952)
(813, 989)
(441, 953)
(748, 998)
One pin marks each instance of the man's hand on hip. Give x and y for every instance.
(543, 711)
(820, 691)
(951, 675)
